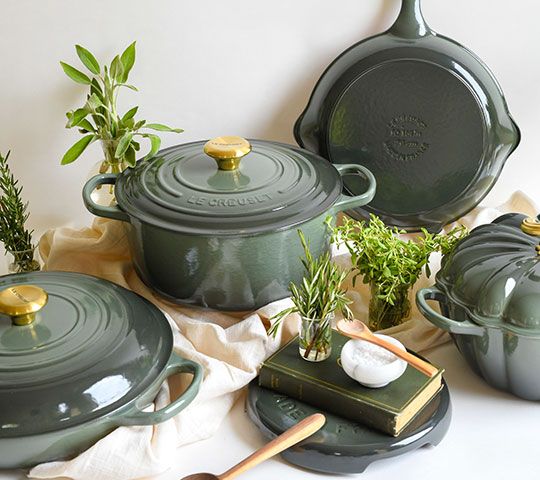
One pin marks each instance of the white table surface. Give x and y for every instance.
(492, 436)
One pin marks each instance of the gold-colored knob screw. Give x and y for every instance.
(227, 151)
(22, 302)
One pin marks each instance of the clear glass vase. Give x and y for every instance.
(23, 261)
(383, 315)
(104, 194)
(315, 338)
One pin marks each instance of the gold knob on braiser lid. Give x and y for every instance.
(22, 302)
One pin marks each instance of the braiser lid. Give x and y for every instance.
(73, 348)
(200, 188)
(495, 274)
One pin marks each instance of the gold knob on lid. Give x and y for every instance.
(22, 302)
(531, 226)
(227, 151)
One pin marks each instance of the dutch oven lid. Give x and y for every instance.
(495, 274)
(73, 348)
(228, 185)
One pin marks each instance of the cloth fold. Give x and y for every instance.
(230, 348)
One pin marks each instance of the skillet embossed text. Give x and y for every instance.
(406, 138)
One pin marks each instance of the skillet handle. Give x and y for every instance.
(464, 327)
(410, 22)
(136, 416)
(346, 202)
(113, 211)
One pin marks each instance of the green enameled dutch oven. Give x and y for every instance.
(488, 289)
(209, 227)
(79, 356)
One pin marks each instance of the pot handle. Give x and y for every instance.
(113, 211)
(346, 202)
(136, 416)
(464, 327)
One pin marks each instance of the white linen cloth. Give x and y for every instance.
(229, 348)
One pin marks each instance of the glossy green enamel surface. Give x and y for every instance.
(226, 273)
(422, 112)
(489, 293)
(342, 446)
(182, 190)
(95, 356)
(209, 248)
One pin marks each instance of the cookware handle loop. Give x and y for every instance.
(113, 211)
(346, 202)
(410, 22)
(464, 327)
(136, 416)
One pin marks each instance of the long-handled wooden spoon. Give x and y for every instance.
(287, 439)
(358, 329)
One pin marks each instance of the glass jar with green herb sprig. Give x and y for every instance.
(99, 119)
(17, 239)
(390, 264)
(316, 299)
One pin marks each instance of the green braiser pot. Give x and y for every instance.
(79, 356)
(488, 290)
(211, 228)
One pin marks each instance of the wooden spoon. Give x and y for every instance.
(358, 329)
(287, 439)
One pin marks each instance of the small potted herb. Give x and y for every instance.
(390, 265)
(99, 118)
(316, 299)
(17, 239)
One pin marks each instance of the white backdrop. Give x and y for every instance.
(225, 67)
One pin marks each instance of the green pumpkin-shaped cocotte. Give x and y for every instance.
(488, 289)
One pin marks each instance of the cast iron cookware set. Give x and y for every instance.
(209, 227)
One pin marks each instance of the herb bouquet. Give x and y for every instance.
(99, 118)
(316, 299)
(17, 239)
(390, 265)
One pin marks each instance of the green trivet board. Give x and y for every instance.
(343, 446)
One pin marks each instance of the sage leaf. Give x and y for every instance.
(123, 144)
(155, 143)
(94, 102)
(75, 117)
(117, 70)
(130, 114)
(88, 60)
(128, 60)
(74, 74)
(163, 128)
(130, 156)
(85, 126)
(77, 148)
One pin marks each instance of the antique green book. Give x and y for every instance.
(325, 385)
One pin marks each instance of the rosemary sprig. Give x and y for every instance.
(387, 261)
(17, 239)
(320, 293)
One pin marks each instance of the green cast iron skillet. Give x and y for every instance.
(79, 356)
(422, 112)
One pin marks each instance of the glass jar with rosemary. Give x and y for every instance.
(390, 264)
(99, 117)
(17, 239)
(316, 299)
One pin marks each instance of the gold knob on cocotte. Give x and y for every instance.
(22, 302)
(227, 151)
